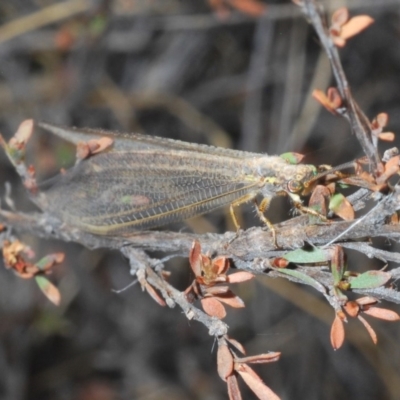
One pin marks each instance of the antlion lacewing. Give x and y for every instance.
(142, 182)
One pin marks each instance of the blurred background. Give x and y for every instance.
(229, 73)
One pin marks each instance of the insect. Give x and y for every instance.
(142, 182)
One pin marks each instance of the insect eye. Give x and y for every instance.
(295, 186)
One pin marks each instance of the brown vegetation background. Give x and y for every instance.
(173, 68)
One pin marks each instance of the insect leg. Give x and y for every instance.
(310, 211)
(260, 209)
(236, 203)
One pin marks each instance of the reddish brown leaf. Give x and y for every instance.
(232, 300)
(338, 41)
(319, 198)
(381, 120)
(387, 136)
(254, 382)
(394, 219)
(321, 97)
(220, 265)
(96, 146)
(23, 134)
(250, 7)
(195, 258)
(239, 277)
(236, 344)
(355, 25)
(352, 308)
(340, 16)
(341, 207)
(213, 307)
(82, 151)
(224, 362)
(338, 264)
(369, 329)
(334, 97)
(217, 290)
(261, 358)
(366, 300)
(382, 313)
(337, 333)
(156, 297)
(233, 388)
(280, 262)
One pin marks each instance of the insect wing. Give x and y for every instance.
(120, 192)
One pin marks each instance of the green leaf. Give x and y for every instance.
(49, 290)
(50, 260)
(292, 158)
(369, 280)
(309, 256)
(302, 277)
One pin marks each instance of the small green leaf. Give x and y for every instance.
(49, 260)
(50, 291)
(336, 201)
(369, 280)
(309, 256)
(302, 277)
(292, 158)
